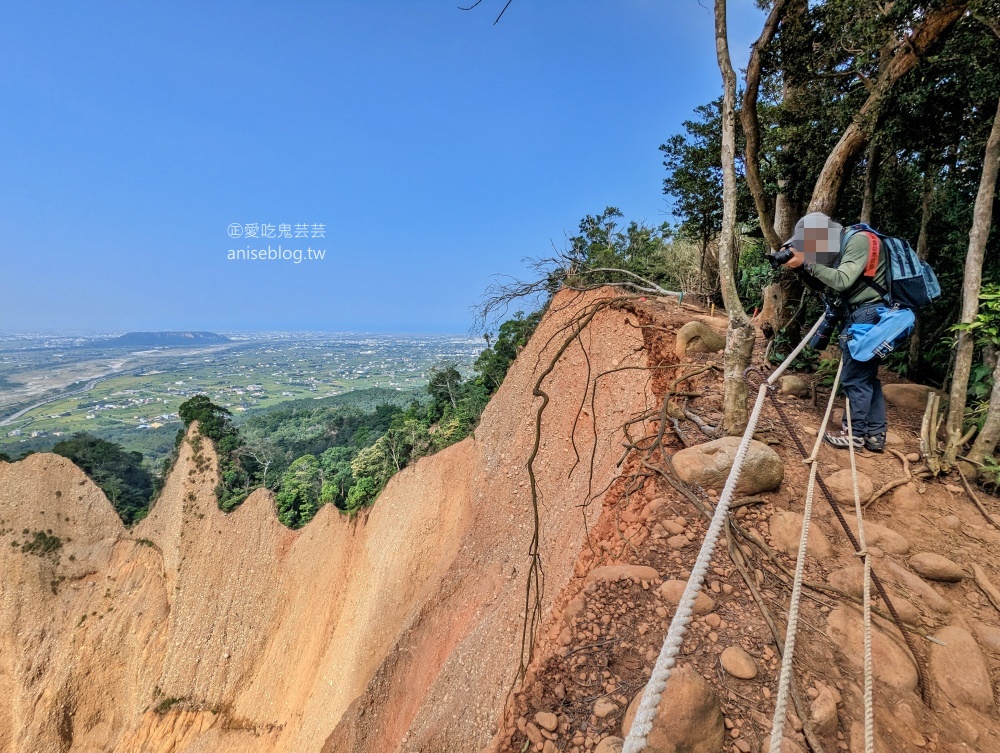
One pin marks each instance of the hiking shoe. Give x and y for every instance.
(875, 442)
(842, 440)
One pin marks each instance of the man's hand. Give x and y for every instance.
(798, 258)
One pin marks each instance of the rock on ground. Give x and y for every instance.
(793, 385)
(917, 586)
(842, 487)
(823, 712)
(738, 663)
(908, 396)
(696, 337)
(688, 719)
(786, 530)
(936, 567)
(959, 671)
(892, 662)
(708, 465)
(610, 745)
(672, 590)
(611, 573)
(884, 538)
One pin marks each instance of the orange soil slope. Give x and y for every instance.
(200, 631)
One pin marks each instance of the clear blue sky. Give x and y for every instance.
(436, 148)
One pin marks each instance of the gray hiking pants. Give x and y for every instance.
(859, 380)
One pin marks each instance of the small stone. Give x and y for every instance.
(713, 620)
(738, 663)
(671, 591)
(936, 567)
(954, 489)
(547, 720)
(678, 542)
(604, 707)
(610, 744)
(534, 734)
(913, 457)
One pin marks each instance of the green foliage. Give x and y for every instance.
(42, 544)
(236, 470)
(985, 330)
(299, 497)
(494, 362)
(753, 274)
(807, 360)
(693, 160)
(120, 473)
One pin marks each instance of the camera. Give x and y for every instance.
(782, 256)
(832, 319)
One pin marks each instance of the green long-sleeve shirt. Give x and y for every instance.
(851, 267)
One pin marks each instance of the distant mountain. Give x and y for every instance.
(161, 339)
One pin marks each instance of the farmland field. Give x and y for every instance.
(51, 387)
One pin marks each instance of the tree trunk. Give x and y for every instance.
(740, 335)
(871, 183)
(986, 442)
(915, 361)
(900, 60)
(786, 213)
(982, 216)
(751, 126)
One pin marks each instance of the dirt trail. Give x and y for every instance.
(401, 630)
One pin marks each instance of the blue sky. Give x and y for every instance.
(436, 148)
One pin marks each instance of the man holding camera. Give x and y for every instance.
(816, 252)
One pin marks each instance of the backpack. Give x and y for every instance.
(910, 281)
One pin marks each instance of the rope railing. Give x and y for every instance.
(642, 724)
(785, 676)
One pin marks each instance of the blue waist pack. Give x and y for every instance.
(870, 340)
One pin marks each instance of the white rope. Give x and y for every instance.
(863, 554)
(642, 724)
(785, 676)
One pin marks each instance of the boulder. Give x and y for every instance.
(848, 580)
(696, 337)
(909, 396)
(884, 538)
(688, 719)
(989, 637)
(959, 671)
(610, 573)
(906, 497)
(823, 712)
(936, 567)
(672, 590)
(738, 663)
(793, 385)
(708, 465)
(841, 486)
(918, 587)
(786, 530)
(892, 662)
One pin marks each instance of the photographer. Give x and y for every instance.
(816, 251)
